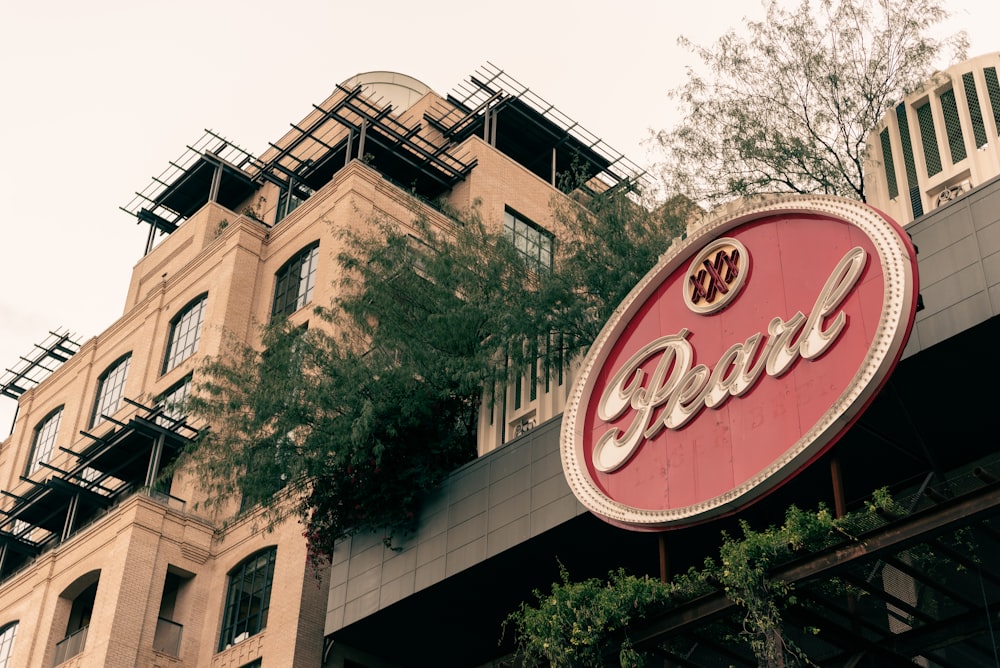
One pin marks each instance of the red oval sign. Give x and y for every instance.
(742, 356)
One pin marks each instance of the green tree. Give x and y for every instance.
(786, 104)
(357, 420)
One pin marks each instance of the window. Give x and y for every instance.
(290, 199)
(294, 282)
(80, 598)
(185, 330)
(953, 126)
(248, 598)
(929, 139)
(44, 440)
(532, 241)
(174, 403)
(975, 111)
(173, 400)
(993, 88)
(167, 637)
(916, 204)
(110, 387)
(889, 164)
(7, 643)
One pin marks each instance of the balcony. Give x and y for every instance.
(70, 646)
(167, 638)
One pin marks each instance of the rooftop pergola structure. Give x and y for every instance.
(350, 124)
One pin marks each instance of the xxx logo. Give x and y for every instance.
(716, 275)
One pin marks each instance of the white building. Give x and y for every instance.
(939, 143)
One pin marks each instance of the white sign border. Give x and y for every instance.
(898, 308)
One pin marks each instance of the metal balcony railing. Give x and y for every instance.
(70, 646)
(167, 638)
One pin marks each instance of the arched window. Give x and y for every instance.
(44, 440)
(294, 282)
(248, 597)
(7, 634)
(110, 388)
(174, 400)
(185, 330)
(77, 602)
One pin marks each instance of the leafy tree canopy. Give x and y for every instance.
(356, 420)
(786, 104)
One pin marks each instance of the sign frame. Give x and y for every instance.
(897, 259)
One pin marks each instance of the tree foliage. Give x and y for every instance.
(786, 104)
(357, 419)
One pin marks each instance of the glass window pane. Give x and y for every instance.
(294, 282)
(173, 402)
(185, 331)
(889, 164)
(248, 598)
(916, 204)
(975, 111)
(110, 389)
(45, 439)
(532, 241)
(993, 89)
(7, 643)
(953, 126)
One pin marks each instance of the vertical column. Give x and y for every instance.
(70, 517)
(154, 460)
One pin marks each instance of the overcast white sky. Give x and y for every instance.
(98, 96)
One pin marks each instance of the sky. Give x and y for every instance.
(99, 96)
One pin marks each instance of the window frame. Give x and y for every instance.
(7, 643)
(117, 390)
(290, 197)
(292, 294)
(42, 431)
(538, 243)
(172, 399)
(238, 610)
(190, 334)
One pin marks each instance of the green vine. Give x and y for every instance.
(744, 564)
(581, 624)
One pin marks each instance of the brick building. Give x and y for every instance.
(101, 565)
(501, 525)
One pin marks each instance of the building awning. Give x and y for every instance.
(47, 504)
(112, 466)
(191, 192)
(125, 453)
